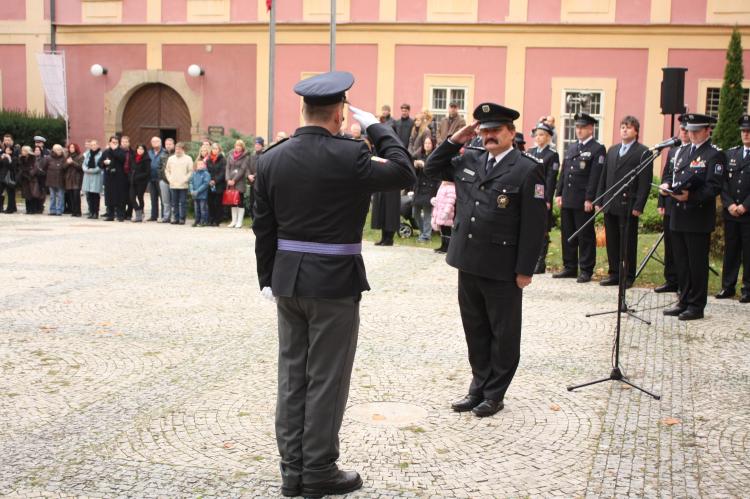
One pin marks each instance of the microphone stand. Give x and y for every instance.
(616, 373)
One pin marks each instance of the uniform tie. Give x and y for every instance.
(490, 165)
(747, 153)
(692, 149)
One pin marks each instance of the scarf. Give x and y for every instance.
(138, 158)
(237, 155)
(127, 163)
(92, 159)
(213, 157)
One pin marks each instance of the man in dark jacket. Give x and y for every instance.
(403, 126)
(665, 204)
(252, 171)
(312, 193)
(545, 151)
(622, 160)
(735, 197)
(115, 180)
(497, 235)
(696, 183)
(156, 154)
(576, 191)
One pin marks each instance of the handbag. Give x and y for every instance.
(8, 180)
(231, 197)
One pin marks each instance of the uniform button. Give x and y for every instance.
(473, 219)
(476, 203)
(470, 236)
(504, 243)
(504, 190)
(481, 188)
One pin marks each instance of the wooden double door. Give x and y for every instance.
(156, 110)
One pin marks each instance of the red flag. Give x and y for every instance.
(268, 4)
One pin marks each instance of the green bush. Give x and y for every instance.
(24, 125)
(226, 142)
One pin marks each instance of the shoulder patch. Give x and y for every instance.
(531, 157)
(275, 144)
(733, 148)
(716, 147)
(351, 139)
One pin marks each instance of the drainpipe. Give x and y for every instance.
(52, 27)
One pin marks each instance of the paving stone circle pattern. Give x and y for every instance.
(138, 360)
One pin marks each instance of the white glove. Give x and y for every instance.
(365, 119)
(410, 194)
(267, 294)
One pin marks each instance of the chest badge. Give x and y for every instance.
(582, 164)
(502, 201)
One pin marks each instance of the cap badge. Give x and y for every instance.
(485, 108)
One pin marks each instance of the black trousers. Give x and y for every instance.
(670, 267)
(491, 316)
(74, 195)
(10, 193)
(215, 208)
(317, 343)
(582, 251)
(153, 193)
(614, 226)
(736, 252)
(93, 199)
(691, 255)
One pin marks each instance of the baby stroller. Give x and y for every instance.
(408, 226)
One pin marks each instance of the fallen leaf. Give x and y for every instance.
(378, 417)
(554, 407)
(228, 445)
(671, 421)
(105, 324)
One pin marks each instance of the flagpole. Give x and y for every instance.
(333, 35)
(271, 68)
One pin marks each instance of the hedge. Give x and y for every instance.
(25, 125)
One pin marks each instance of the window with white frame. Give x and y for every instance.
(440, 99)
(590, 102)
(712, 100)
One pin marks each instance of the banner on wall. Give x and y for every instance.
(52, 71)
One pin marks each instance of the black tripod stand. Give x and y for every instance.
(627, 183)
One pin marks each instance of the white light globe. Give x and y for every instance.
(194, 70)
(98, 70)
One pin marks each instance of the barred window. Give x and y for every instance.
(580, 101)
(712, 100)
(441, 97)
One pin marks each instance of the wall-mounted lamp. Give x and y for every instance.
(195, 71)
(98, 70)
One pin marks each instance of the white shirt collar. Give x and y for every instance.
(540, 149)
(499, 157)
(698, 145)
(583, 143)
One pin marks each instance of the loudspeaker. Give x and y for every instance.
(673, 91)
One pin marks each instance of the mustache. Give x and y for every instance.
(491, 141)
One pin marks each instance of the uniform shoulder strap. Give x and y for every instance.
(276, 144)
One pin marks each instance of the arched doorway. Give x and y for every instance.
(156, 110)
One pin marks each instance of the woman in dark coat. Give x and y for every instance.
(424, 190)
(32, 179)
(74, 178)
(54, 169)
(9, 170)
(216, 164)
(140, 171)
(116, 188)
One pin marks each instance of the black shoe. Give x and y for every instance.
(387, 243)
(467, 403)
(109, 219)
(379, 243)
(541, 267)
(584, 277)
(724, 293)
(675, 311)
(182, 222)
(174, 222)
(488, 408)
(195, 224)
(612, 280)
(666, 288)
(343, 483)
(745, 298)
(90, 216)
(565, 274)
(440, 250)
(690, 315)
(291, 491)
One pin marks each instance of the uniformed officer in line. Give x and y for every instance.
(664, 207)
(576, 191)
(545, 151)
(497, 234)
(519, 142)
(312, 197)
(622, 159)
(735, 197)
(695, 185)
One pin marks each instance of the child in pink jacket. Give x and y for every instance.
(444, 209)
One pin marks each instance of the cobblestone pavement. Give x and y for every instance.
(139, 360)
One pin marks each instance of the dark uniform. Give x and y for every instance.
(736, 190)
(116, 188)
(617, 167)
(551, 165)
(577, 183)
(497, 234)
(666, 202)
(312, 195)
(699, 171)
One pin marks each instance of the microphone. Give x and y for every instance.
(674, 141)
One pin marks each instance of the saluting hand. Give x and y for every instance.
(466, 133)
(365, 119)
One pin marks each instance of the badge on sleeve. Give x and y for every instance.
(539, 191)
(718, 168)
(555, 166)
(601, 160)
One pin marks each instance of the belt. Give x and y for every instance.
(320, 248)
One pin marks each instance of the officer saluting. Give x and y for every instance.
(312, 196)
(735, 197)
(696, 183)
(546, 152)
(576, 191)
(497, 235)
